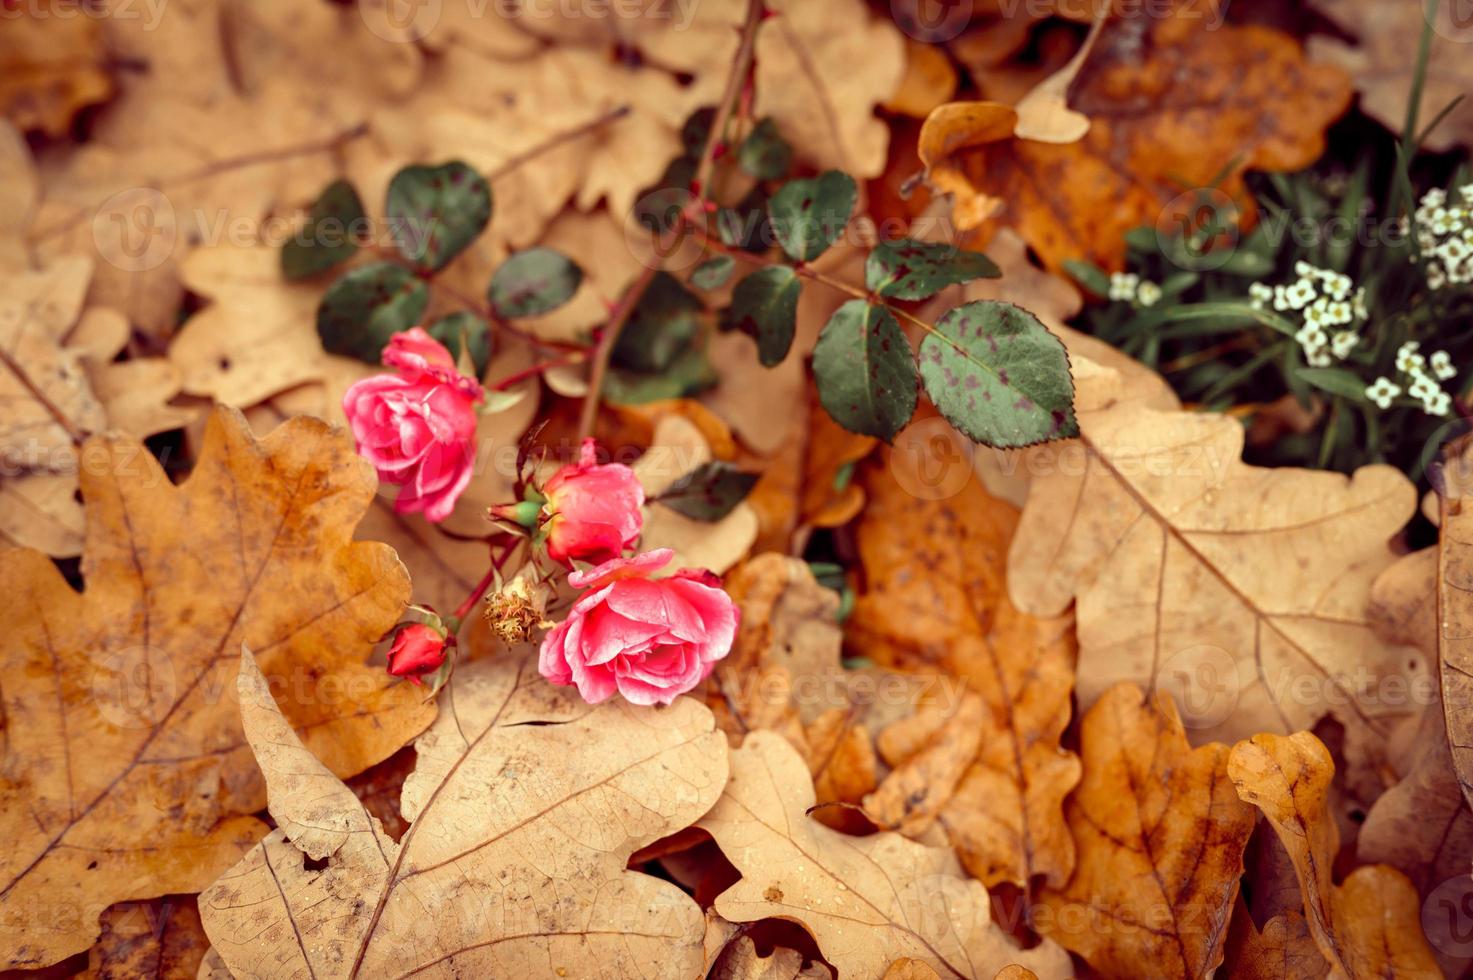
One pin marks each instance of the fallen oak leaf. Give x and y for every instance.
(1282, 948)
(936, 601)
(162, 939)
(125, 771)
(1160, 836)
(1170, 109)
(1367, 926)
(740, 962)
(867, 901)
(538, 852)
(1454, 612)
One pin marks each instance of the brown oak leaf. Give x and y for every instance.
(1369, 924)
(162, 939)
(1173, 108)
(1160, 837)
(867, 901)
(511, 866)
(125, 772)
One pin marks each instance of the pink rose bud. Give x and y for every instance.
(649, 639)
(418, 427)
(593, 510)
(417, 650)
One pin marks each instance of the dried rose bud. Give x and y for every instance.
(517, 610)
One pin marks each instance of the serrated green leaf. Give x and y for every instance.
(533, 282)
(362, 310)
(1337, 381)
(329, 236)
(663, 323)
(908, 269)
(713, 273)
(865, 370)
(997, 374)
(764, 153)
(709, 492)
(435, 212)
(452, 328)
(764, 306)
(689, 374)
(808, 215)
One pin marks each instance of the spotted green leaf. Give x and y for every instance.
(534, 282)
(435, 212)
(765, 307)
(908, 269)
(713, 273)
(709, 492)
(865, 370)
(664, 322)
(808, 215)
(764, 153)
(464, 328)
(329, 236)
(999, 376)
(362, 310)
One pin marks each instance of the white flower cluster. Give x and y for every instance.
(1128, 287)
(1329, 304)
(1421, 376)
(1445, 234)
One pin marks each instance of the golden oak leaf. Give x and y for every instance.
(1243, 590)
(909, 969)
(1367, 926)
(1454, 609)
(162, 939)
(535, 854)
(125, 770)
(1283, 948)
(1160, 837)
(741, 962)
(52, 64)
(1171, 109)
(934, 554)
(1383, 63)
(867, 901)
(925, 776)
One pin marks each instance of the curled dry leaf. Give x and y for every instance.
(1367, 926)
(935, 600)
(1160, 837)
(1455, 609)
(1170, 110)
(741, 962)
(1241, 589)
(125, 772)
(533, 854)
(867, 901)
(909, 969)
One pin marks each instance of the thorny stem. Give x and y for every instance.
(73, 432)
(736, 80)
(542, 367)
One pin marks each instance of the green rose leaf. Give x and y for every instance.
(865, 370)
(764, 153)
(765, 307)
(362, 310)
(999, 376)
(663, 323)
(466, 328)
(713, 273)
(327, 238)
(534, 282)
(808, 215)
(435, 212)
(709, 492)
(689, 374)
(908, 269)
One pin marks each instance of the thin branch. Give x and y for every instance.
(694, 209)
(73, 431)
(557, 140)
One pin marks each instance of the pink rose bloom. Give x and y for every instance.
(593, 509)
(649, 639)
(417, 427)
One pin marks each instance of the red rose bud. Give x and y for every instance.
(418, 650)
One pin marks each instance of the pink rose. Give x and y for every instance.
(417, 649)
(418, 427)
(649, 639)
(593, 510)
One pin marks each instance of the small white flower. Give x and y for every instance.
(1434, 198)
(1122, 285)
(1304, 270)
(1338, 285)
(1422, 387)
(1343, 342)
(1260, 294)
(1300, 294)
(1442, 365)
(1319, 357)
(1281, 298)
(1149, 294)
(1466, 192)
(1438, 405)
(1358, 304)
(1312, 337)
(1408, 361)
(1382, 392)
